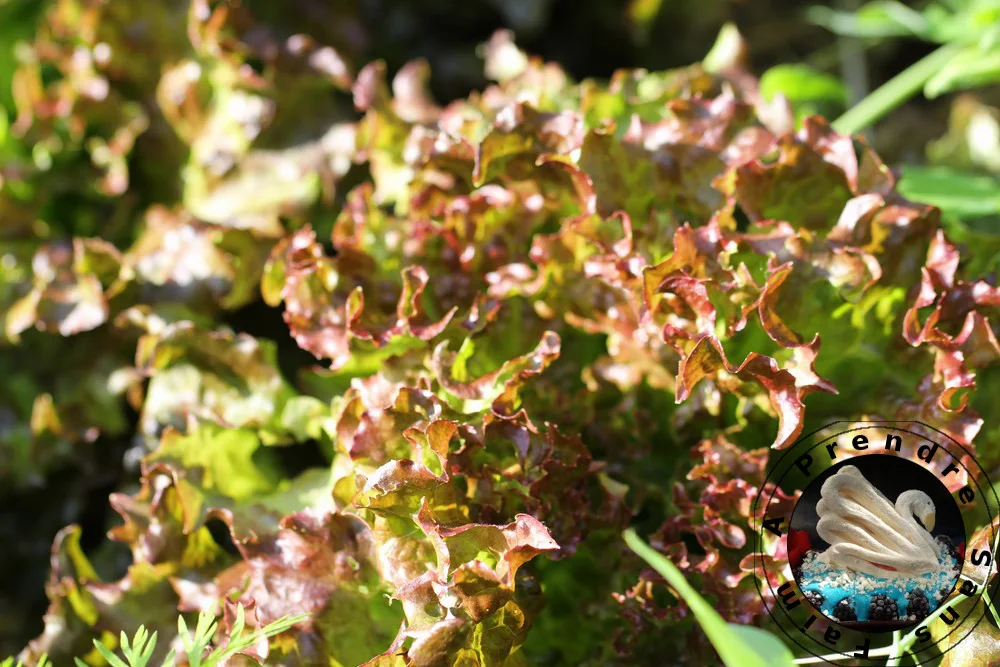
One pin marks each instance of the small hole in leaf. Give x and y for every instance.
(741, 218)
(219, 531)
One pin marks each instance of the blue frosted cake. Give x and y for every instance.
(858, 596)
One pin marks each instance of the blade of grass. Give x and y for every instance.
(895, 91)
(737, 645)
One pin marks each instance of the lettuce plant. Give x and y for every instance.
(535, 317)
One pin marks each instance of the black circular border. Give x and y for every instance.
(879, 424)
(923, 437)
(896, 425)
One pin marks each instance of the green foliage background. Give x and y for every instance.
(370, 311)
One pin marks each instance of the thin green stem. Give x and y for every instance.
(986, 586)
(897, 655)
(991, 607)
(895, 91)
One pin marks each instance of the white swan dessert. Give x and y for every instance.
(869, 534)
